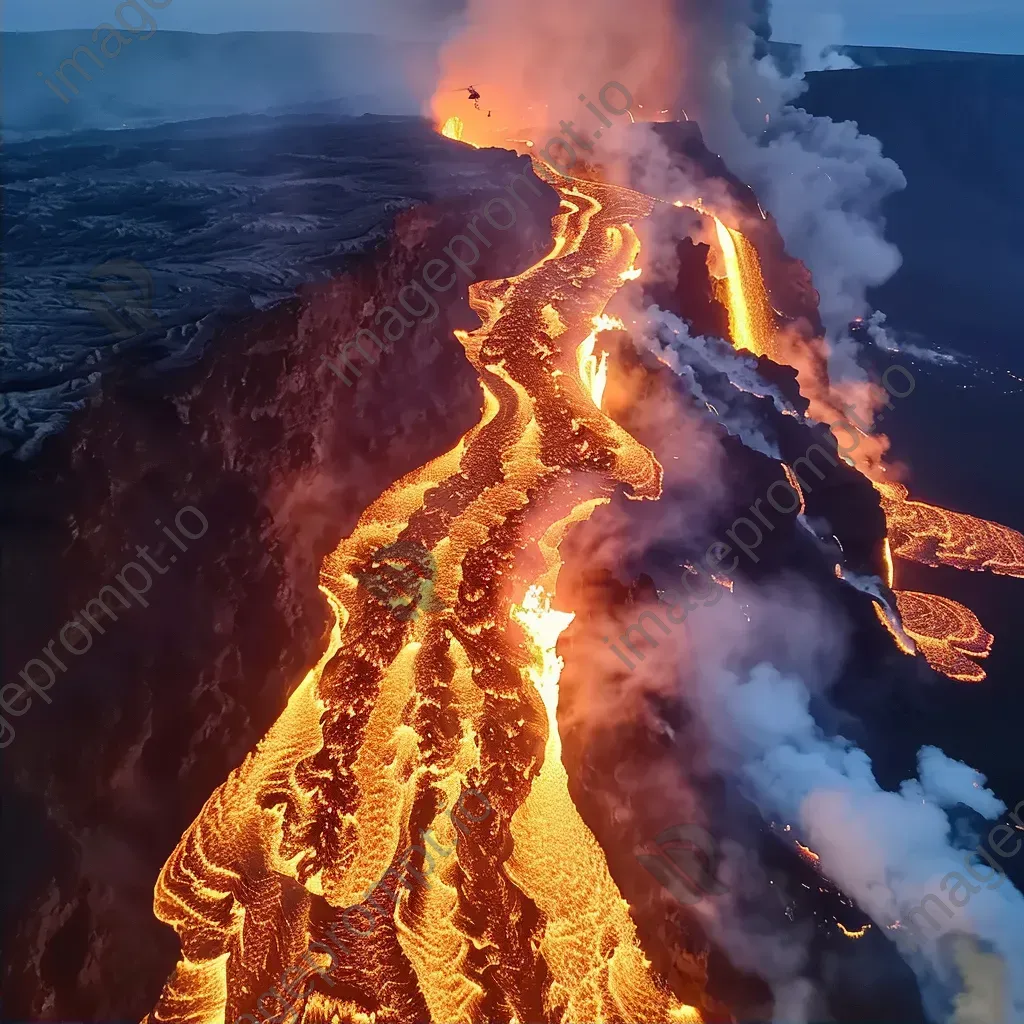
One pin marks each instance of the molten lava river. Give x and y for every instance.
(402, 846)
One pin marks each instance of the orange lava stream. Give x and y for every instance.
(808, 854)
(946, 633)
(401, 717)
(935, 536)
(743, 293)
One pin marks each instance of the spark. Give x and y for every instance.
(808, 853)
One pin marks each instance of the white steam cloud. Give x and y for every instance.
(891, 851)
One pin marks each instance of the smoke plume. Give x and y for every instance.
(891, 851)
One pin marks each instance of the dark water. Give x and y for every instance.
(955, 130)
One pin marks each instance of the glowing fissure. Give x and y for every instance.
(403, 714)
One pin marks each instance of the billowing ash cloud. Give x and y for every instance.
(531, 61)
(823, 181)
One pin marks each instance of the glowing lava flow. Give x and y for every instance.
(594, 371)
(945, 632)
(935, 536)
(521, 921)
(742, 292)
(453, 128)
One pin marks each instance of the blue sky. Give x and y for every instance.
(990, 25)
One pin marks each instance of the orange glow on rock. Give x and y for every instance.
(807, 853)
(946, 633)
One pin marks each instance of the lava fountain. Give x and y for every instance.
(406, 713)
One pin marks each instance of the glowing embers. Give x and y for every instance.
(742, 291)
(948, 634)
(936, 536)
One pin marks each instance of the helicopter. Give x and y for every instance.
(474, 95)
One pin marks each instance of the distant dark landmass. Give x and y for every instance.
(177, 76)
(787, 54)
(954, 127)
(158, 75)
